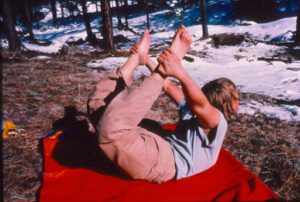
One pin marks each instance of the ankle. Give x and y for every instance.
(125, 75)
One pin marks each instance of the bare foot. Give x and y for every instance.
(181, 42)
(139, 53)
(142, 48)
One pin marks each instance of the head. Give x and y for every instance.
(222, 94)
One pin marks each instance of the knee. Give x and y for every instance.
(109, 127)
(104, 129)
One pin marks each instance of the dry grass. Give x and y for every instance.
(36, 91)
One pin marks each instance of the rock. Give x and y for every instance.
(72, 41)
(189, 59)
(227, 39)
(120, 38)
(64, 50)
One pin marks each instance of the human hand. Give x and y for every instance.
(170, 63)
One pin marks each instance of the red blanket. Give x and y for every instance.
(65, 180)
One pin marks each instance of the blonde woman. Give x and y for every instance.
(116, 108)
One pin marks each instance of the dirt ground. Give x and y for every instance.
(36, 92)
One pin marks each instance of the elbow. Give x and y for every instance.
(208, 116)
(209, 124)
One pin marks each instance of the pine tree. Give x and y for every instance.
(147, 15)
(141, 3)
(53, 10)
(126, 14)
(297, 41)
(96, 4)
(107, 26)
(90, 36)
(62, 9)
(120, 25)
(28, 16)
(9, 26)
(203, 19)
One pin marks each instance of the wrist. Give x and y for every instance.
(166, 84)
(182, 75)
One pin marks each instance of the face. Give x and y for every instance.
(235, 103)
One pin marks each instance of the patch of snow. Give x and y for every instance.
(48, 14)
(282, 112)
(110, 63)
(91, 7)
(42, 57)
(4, 43)
(54, 48)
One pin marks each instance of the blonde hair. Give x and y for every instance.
(220, 93)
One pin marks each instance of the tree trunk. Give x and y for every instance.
(141, 3)
(126, 13)
(183, 3)
(203, 19)
(53, 10)
(9, 26)
(77, 7)
(96, 4)
(71, 9)
(28, 16)
(62, 9)
(120, 25)
(107, 26)
(147, 15)
(90, 36)
(297, 41)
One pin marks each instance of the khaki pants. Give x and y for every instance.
(140, 153)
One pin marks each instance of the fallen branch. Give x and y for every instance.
(270, 60)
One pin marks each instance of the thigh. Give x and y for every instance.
(142, 155)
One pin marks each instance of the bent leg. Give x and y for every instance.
(105, 90)
(140, 153)
(129, 107)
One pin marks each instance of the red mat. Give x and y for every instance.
(228, 180)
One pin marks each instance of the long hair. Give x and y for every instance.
(220, 93)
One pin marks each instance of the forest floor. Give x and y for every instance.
(37, 90)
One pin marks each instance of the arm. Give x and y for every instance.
(173, 91)
(207, 115)
(198, 103)
(169, 87)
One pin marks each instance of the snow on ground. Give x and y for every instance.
(239, 63)
(283, 112)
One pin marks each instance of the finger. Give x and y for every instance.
(185, 36)
(169, 51)
(163, 56)
(163, 53)
(134, 49)
(134, 46)
(159, 59)
(190, 38)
